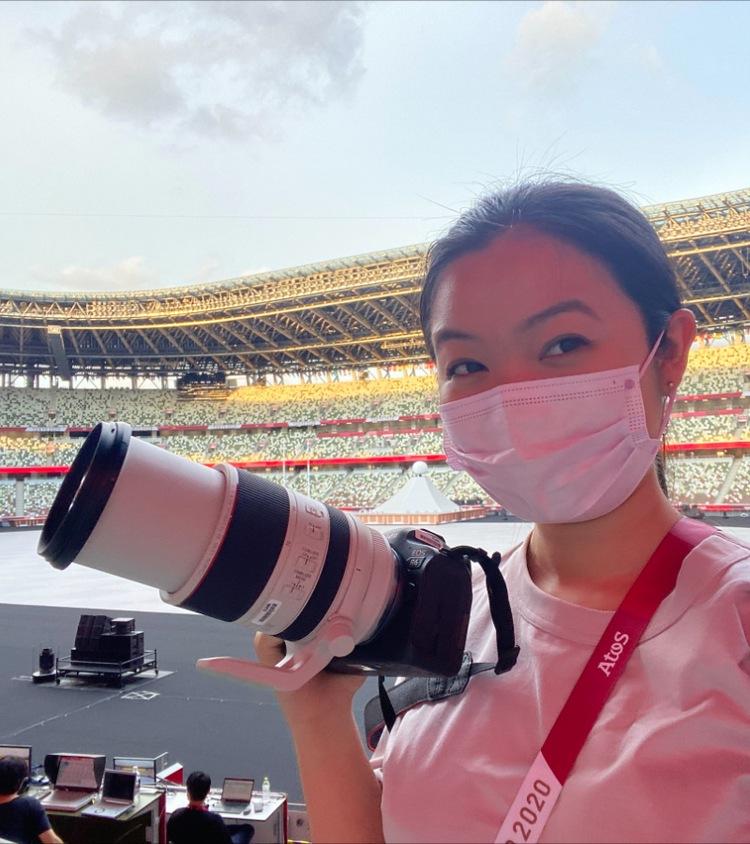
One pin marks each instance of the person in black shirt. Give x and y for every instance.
(194, 824)
(22, 819)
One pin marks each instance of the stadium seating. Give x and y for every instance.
(7, 499)
(716, 370)
(27, 452)
(739, 492)
(378, 401)
(710, 371)
(363, 489)
(696, 481)
(293, 444)
(465, 490)
(706, 429)
(38, 497)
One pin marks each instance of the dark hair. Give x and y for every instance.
(13, 771)
(595, 220)
(198, 785)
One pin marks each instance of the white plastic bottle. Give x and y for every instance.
(266, 791)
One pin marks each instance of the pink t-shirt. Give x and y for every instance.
(667, 760)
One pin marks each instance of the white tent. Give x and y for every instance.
(418, 495)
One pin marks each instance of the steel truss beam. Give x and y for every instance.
(349, 313)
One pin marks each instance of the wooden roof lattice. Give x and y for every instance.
(352, 312)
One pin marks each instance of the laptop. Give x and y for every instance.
(75, 786)
(236, 796)
(118, 795)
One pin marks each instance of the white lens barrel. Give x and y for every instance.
(224, 543)
(297, 570)
(368, 592)
(161, 517)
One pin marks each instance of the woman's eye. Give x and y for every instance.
(564, 345)
(467, 367)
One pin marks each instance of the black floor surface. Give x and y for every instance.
(223, 727)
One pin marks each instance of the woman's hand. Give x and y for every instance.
(341, 791)
(326, 694)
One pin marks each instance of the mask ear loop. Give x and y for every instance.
(663, 436)
(642, 370)
(671, 396)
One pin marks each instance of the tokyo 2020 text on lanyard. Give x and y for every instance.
(541, 788)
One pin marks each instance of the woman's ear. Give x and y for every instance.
(673, 360)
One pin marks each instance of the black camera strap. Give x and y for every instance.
(382, 711)
(500, 612)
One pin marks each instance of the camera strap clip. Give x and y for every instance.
(383, 710)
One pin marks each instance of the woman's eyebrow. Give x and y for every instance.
(564, 307)
(442, 335)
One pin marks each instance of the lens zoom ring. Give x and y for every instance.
(249, 552)
(329, 582)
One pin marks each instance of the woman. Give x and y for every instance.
(552, 315)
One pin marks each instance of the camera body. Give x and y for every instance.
(425, 631)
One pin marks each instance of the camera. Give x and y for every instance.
(225, 543)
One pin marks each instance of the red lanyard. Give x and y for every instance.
(542, 786)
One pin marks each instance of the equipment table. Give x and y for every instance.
(142, 823)
(270, 822)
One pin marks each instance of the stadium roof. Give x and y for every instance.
(350, 312)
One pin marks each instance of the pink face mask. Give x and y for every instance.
(559, 449)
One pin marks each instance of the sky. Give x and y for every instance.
(155, 144)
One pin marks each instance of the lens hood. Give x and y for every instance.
(84, 493)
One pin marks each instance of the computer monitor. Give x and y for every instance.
(236, 790)
(147, 768)
(77, 772)
(23, 751)
(119, 785)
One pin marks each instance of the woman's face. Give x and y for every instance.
(530, 306)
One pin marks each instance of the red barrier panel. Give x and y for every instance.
(340, 461)
(687, 414)
(727, 508)
(384, 433)
(719, 446)
(341, 421)
(34, 470)
(181, 428)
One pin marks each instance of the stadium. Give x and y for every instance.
(317, 376)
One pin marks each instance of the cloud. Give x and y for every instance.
(206, 272)
(220, 69)
(649, 59)
(555, 44)
(257, 271)
(129, 275)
